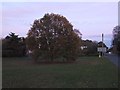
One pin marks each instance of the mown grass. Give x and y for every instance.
(86, 72)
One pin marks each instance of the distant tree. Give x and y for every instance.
(53, 36)
(12, 45)
(89, 47)
(116, 39)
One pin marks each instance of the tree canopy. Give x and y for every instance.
(116, 39)
(51, 37)
(12, 45)
(89, 47)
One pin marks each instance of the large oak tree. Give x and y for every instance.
(52, 37)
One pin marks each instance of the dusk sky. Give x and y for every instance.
(92, 19)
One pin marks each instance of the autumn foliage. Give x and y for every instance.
(53, 37)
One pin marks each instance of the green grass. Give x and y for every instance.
(86, 72)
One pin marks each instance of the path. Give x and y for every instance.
(115, 59)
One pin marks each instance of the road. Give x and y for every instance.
(115, 59)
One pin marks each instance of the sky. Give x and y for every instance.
(91, 18)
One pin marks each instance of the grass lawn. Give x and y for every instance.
(86, 72)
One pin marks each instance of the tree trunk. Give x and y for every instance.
(51, 58)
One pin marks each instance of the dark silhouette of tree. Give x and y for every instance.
(12, 45)
(89, 47)
(116, 39)
(51, 37)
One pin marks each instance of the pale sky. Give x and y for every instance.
(91, 18)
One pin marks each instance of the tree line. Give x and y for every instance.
(13, 46)
(49, 38)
